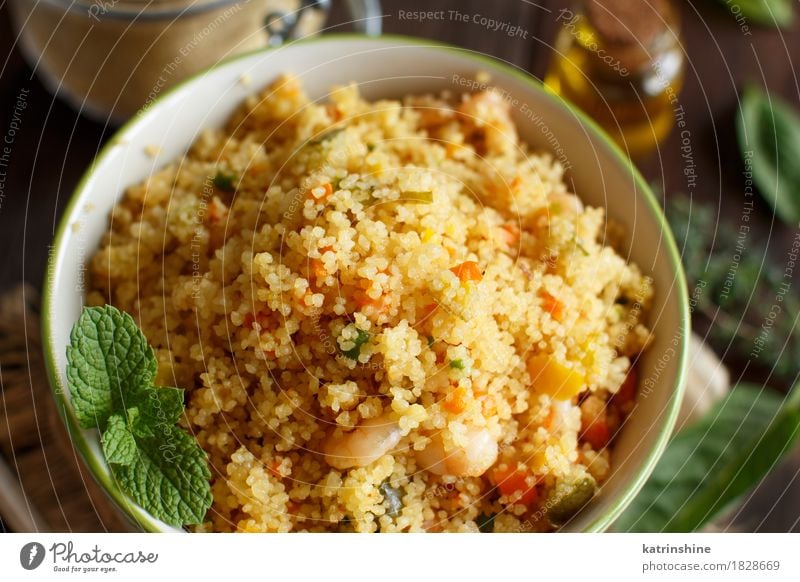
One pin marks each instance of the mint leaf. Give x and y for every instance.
(110, 369)
(119, 446)
(169, 477)
(155, 406)
(108, 358)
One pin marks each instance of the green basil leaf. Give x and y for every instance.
(769, 136)
(709, 465)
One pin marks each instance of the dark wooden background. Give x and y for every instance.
(55, 145)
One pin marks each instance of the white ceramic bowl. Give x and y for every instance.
(389, 67)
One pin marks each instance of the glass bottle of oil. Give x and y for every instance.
(622, 62)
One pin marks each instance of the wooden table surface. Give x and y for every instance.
(55, 145)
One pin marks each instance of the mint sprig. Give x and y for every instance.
(110, 372)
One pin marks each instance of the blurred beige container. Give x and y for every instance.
(109, 58)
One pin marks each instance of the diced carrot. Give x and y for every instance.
(627, 391)
(457, 400)
(261, 318)
(596, 432)
(274, 467)
(317, 268)
(510, 233)
(216, 211)
(554, 379)
(362, 299)
(467, 271)
(328, 191)
(550, 418)
(512, 480)
(552, 305)
(333, 111)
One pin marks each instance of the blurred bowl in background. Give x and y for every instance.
(109, 58)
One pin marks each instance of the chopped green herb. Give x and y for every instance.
(225, 181)
(110, 372)
(580, 247)
(355, 351)
(423, 197)
(485, 522)
(431, 341)
(327, 135)
(392, 498)
(457, 364)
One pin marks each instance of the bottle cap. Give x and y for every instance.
(629, 28)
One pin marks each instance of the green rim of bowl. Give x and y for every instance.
(144, 520)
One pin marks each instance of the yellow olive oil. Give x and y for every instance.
(622, 66)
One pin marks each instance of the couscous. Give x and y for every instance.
(387, 316)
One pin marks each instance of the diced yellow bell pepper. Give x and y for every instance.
(554, 379)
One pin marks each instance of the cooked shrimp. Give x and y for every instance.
(471, 460)
(370, 441)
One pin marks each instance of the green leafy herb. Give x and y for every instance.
(225, 181)
(431, 341)
(118, 442)
(360, 340)
(110, 371)
(421, 197)
(108, 357)
(733, 292)
(769, 137)
(766, 12)
(710, 464)
(457, 364)
(392, 498)
(327, 135)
